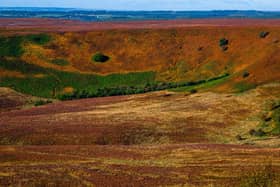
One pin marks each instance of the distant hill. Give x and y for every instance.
(106, 15)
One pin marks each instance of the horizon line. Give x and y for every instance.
(140, 10)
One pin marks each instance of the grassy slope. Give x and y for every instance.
(175, 55)
(170, 121)
(152, 139)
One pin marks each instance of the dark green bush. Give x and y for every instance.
(246, 74)
(100, 57)
(263, 34)
(223, 42)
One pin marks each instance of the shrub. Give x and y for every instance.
(224, 48)
(246, 74)
(99, 57)
(223, 42)
(263, 34)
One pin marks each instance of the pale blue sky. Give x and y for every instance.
(149, 4)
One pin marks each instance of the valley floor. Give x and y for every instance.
(161, 138)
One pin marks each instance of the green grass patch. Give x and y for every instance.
(89, 85)
(60, 62)
(55, 81)
(244, 86)
(21, 66)
(206, 84)
(11, 46)
(39, 39)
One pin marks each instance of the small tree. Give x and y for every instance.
(246, 74)
(224, 42)
(100, 57)
(264, 34)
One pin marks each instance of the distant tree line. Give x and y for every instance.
(128, 90)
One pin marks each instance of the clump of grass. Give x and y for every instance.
(60, 62)
(100, 57)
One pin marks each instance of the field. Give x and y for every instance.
(196, 103)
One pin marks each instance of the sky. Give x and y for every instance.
(272, 5)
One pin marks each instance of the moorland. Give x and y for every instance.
(148, 103)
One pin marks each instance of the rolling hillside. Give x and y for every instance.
(189, 103)
(55, 61)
